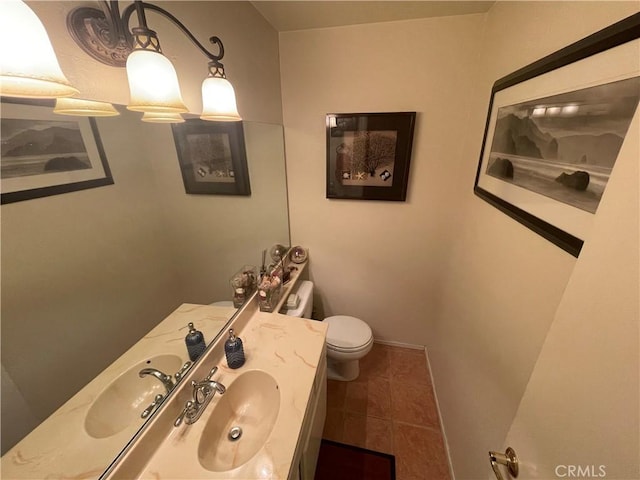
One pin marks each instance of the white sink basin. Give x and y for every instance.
(251, 403)
(123, 401)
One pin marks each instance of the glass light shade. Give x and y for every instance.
(87, 108)
(28, 65)
(218, 100)
(154, 117)
(153, 83)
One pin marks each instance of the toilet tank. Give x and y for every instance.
(304, 290)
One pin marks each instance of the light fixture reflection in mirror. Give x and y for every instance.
(81, 107)
(153, 117)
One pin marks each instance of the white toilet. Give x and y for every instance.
(348, 338)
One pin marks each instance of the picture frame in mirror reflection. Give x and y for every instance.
(368, 155)
(554, 131)
(212, 157)
(45, 154)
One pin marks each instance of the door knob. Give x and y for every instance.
(509, 459)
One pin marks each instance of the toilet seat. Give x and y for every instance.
(354, 350)
(347, 334)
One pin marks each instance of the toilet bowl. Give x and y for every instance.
(348, 338)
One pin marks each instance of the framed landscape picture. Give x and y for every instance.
(48, 154)
(554, 131)
(368, 155)
(212, 157)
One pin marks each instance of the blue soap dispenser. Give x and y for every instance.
(195, 343)
(234, 351)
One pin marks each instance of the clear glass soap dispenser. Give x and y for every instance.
(234, 350)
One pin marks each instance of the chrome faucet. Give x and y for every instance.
(147, 411)
(166, 380)
(205, 386)
(203, 392)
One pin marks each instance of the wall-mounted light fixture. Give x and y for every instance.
(105, 35)
(153, 83)
(28, 65)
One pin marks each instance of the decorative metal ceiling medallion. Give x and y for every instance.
(91, 31)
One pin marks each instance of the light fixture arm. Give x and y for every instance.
(111, 12)
(105, 35)
(141, 6)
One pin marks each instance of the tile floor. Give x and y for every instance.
(391, 408)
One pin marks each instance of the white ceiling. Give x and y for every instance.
(302, 15)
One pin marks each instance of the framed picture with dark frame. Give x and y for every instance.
(45, 154)
(555, 129)
(368, 155)
(212, 156)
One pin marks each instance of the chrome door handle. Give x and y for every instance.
(509, 458)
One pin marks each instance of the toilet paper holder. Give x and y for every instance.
(509, 459)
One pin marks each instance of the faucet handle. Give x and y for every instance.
(147, 411)
(180, 373)
(187, 408)
(198, 394)
(211, 373)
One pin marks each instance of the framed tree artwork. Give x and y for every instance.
(212, 157)
(368, 155)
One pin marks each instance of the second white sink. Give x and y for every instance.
(240, 422)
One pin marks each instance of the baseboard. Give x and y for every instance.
(444, 433)
(400, 344)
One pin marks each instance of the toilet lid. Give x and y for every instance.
(347, 332)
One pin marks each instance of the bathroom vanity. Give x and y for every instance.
(277, 397)
(276, 400)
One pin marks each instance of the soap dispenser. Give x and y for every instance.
(195, 343)
(234, 351)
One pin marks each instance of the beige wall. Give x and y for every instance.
(444, 269)
(580, 406)
(379, 260)
(503, 283)
(86, 274)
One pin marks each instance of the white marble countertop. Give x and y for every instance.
(61, 448)
(289, 349)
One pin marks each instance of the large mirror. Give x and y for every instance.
(86, 274)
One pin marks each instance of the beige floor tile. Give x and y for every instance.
(379, 399)
(407, 365)
(356, 397)
(355, 430)
(375, 364)
(414, 403)
(420, 453)
(379, 437)
(368, 432)
(372, 398)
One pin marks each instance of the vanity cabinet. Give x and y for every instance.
(308, 448)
